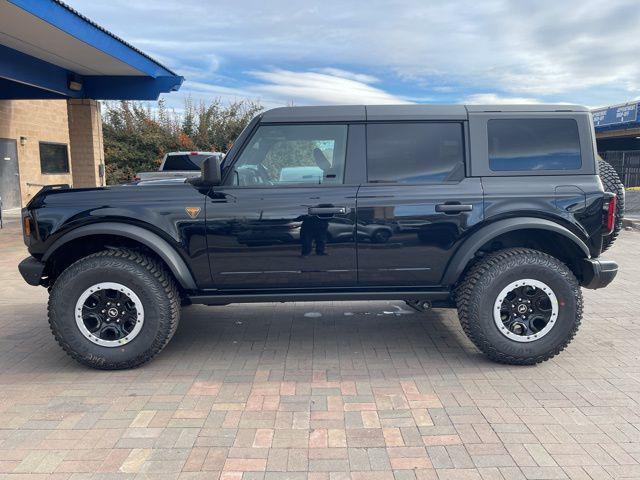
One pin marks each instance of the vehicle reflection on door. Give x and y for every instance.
(424, 236)
(314, 230)
(272, 237)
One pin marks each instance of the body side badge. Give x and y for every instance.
(193, 212)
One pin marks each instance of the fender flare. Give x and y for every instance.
(471, 245)
(151, 240)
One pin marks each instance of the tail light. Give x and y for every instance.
(609, 214)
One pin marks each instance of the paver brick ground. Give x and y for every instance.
(362, 391)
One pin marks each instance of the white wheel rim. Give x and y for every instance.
(131, 296)
(530, 336)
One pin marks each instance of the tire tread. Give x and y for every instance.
(483, 271)
(612, 184)
(133, 261)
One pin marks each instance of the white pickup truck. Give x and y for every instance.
(178, 165)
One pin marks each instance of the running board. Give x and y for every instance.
(439, 296)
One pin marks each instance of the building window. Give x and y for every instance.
(414, 152)
(534, 144)
(54, 158)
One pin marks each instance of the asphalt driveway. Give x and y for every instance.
(325, 391)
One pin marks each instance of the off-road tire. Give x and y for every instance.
(143, 275)
(476, 294)
(612, 183)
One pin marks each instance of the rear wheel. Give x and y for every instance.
(520, 306)
(613, 184)
(114, 309)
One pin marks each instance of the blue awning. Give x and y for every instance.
(617, 117)
(49, 50)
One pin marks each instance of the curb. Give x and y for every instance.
(631, 223)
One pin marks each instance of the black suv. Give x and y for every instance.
(497, 211)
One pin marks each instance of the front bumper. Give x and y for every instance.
(598, 273)
(31, 270)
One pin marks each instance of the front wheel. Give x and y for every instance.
(520, 306)
(114, 309)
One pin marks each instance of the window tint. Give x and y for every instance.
(292, 155)
(534, 144)
(414, 152)
(183, 162)
(54, 158)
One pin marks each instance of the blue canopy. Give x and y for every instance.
(48, 50)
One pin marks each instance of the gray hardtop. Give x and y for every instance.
(361, 113)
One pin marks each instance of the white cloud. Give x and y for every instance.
(321, 88)
(275, 88)
(493, 99)
(358, 77)
(581, 51)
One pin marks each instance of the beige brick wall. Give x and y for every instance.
(76, 123)
(37, 121)
(87, 151)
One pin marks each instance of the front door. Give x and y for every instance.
(416, 205)
(9, 175)
(275, 222)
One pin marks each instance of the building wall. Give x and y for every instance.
(75, 123)
(87, 150)
(36, 121)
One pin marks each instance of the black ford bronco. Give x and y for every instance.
(498, 211)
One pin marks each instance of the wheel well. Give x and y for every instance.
(81, 247)
(549, 242)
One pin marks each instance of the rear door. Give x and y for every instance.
(417, 191)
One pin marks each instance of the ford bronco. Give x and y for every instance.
(498, 211)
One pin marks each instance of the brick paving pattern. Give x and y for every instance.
(363, 391)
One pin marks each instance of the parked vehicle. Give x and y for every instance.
(497, 211)
(179, 165)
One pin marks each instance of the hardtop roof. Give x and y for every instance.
(355, 113)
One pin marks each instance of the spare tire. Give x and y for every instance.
(612, 183)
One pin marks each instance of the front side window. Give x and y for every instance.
(279, 155)
(54, 158)
(414, 152)
(533, 144)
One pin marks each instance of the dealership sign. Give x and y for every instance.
(615, 115)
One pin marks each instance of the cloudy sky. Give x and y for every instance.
(412, 51)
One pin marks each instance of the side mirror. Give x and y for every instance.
(211, 172)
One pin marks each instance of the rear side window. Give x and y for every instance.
(414, 152)
(533, 144)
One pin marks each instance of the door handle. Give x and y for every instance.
(453, 207)
(327, 210)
